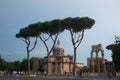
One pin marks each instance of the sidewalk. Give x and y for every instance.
(24, 77)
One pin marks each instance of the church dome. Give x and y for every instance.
(58, 49)
(58, 45)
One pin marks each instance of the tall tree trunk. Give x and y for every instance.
(47, 64)
(28, 59)
(29, 50)
(74, 62)
(47, 60)
(76, 42)
(49, 50)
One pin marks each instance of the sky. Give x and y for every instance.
(17, 14)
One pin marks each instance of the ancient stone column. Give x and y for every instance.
(103, 62)
(92, 62)
(96, 49)
(56, 67)
(97, 62)
(61, 68)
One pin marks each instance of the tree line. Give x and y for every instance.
(18, 66)
(50, 30)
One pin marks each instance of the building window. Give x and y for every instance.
(66, 60)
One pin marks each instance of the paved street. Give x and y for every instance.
(49, 78)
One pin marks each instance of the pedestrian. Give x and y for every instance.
(80, 73)
(45, 73)
(109, 75)
(65, 73)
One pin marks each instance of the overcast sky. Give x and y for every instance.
(16, 14)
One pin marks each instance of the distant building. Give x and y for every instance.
(95, 63)
(36, 61)
(79, 66)
(58, 62)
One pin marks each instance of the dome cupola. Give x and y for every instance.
(58, 49)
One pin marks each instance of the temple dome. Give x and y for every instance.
(58, 45)
(58, 49)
